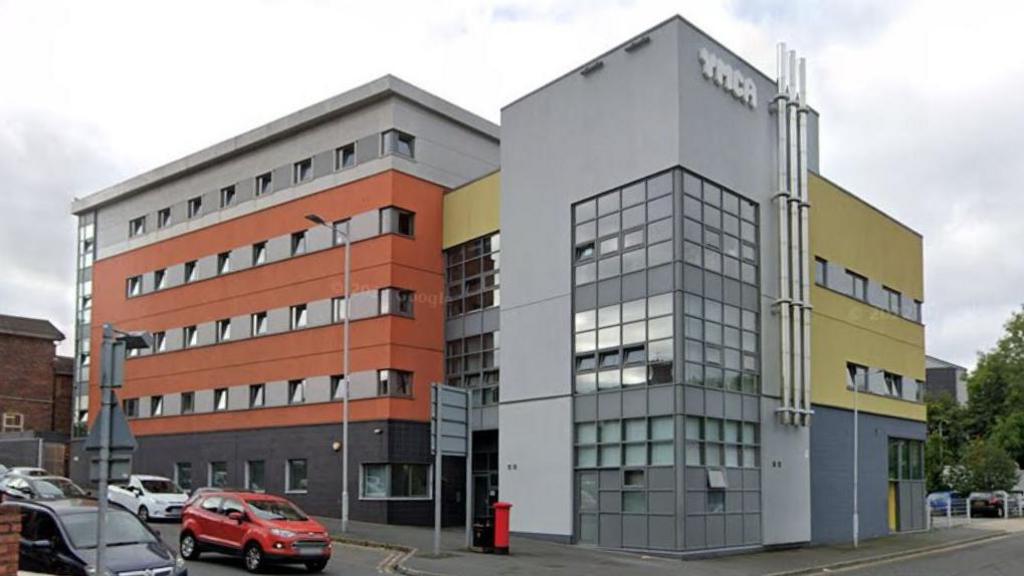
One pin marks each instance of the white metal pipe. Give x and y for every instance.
(783, 223)
(346, 347)
(794, 239)
(805, 290)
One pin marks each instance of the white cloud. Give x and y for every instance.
(919, 103)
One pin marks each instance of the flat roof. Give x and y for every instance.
(383, 87)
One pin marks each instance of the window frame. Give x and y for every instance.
(263, 184)
(396, 302)
(223, 330)
(248, 476)
(298, 316)
(297, 245)
(258, 320)
(257, 396)
(217, 394)
(389, 466)
(386, 376)
(390, 221)
(191, 404)
(390, 140)
(190, 336)
(340, 153)
(130, 407)
(163, 217)
(223, 263)
(133, 287)
(302, 170)
(136, 227)
(156, 405)
(855, 280)
(259, 253)
(297, 385)
(194, 207)
(288, 488)
(191, 271)
(227, 196)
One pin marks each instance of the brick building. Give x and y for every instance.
(35, 383)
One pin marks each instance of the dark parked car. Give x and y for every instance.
(988, 503)
(40, 487)
(59, 537)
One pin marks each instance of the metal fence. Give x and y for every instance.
(959, 511)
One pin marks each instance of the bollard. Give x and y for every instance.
(949, 512)
(968, 504)
(1006, 508)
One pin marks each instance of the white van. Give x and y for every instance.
(150, 497)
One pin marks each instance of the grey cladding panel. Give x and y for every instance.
(367, 148)
(363, 384)
(282, 177)
(363, 305)
(365, 225)
(323, 163)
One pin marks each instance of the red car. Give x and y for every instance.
(261, 528)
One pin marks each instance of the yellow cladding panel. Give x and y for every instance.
(473, 210)
(851, 233)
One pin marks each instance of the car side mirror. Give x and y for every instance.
(237, 516)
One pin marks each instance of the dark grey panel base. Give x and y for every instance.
(832, 472)
(557, 538)
(370, 442)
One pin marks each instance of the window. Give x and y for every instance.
(163, 218)
(395, 481)
(160, 279)
(224, 330)
(13, 422)
(338, 310)
(255, 475)
(220, 399)
(856, 375)
(195, 206)
(917, 311)
(259, 253)
(858, 286)
(191, 271)
(894, 300)
(906, 459)
(227, 196)
(134, 286)
(156, 406)
(190, 336)
(395, 142)
(396, 301)
(137, 227)
(296, 391)
(223, 262)
(217, 474)
(188, 402)
(337, 387)
(345, 157)
(259, 323)
(160, 341)
(473, 276)
(130, 406)
(298, 243)
(821, 271)
(257, 395)
(298, 316)
(893, 384)
(263, 183)
(394, 383)
(397, 221)
(183, 475)
(302, 170)
(296, 476)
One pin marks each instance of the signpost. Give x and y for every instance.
(110, 435)
(451, 435)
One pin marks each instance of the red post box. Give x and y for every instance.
(502, 510)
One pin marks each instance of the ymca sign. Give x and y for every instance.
(730, 79)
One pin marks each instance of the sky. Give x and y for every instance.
(920, 106)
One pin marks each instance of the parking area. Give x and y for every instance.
(346, 559)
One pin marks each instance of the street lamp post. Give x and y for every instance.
(344, 354)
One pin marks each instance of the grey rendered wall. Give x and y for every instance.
(832, 472)
(568, 141)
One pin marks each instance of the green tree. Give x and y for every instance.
(997, 384)
(947, 436)
(1008, 433)
(988, 467)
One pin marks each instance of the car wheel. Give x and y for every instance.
(316, 566)
(253, 558)
(188, 547)
(143, 513)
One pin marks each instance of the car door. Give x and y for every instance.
(232, 530)
(208, 523)
(41, 542)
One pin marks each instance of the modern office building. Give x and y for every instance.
(945, 379)
(672, 302)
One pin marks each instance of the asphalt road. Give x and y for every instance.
(998, 557)
(347, 560)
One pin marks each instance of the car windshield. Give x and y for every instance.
(122, 528)
(275, 510)
(161, 487)
(57, 488)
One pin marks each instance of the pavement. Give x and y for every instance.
(535, 557)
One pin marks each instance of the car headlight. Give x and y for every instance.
(282, 533)
(179, 562)
(91, 571)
